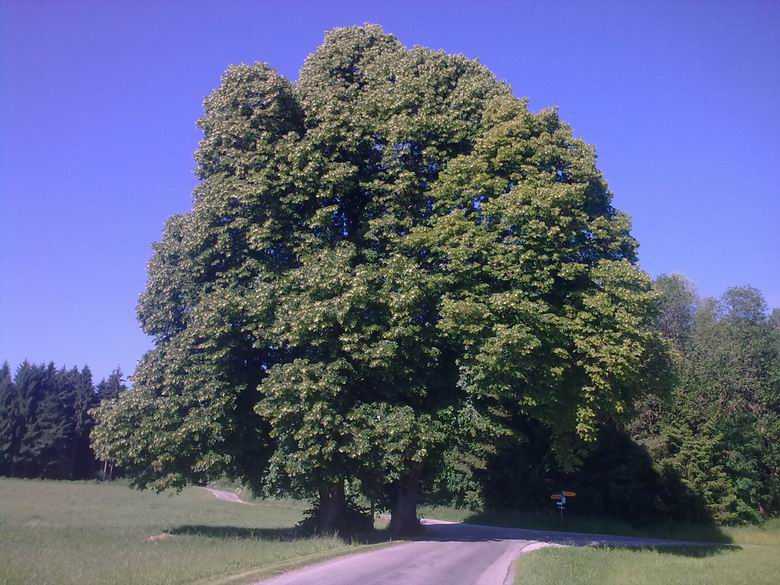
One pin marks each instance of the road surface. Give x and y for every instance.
(449, 554)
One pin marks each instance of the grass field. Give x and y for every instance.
(81, 533)
(69, 533)
(752, 559)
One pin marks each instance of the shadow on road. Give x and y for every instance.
(699, 532)
(698, 552)
(457, 532)
(452, 532)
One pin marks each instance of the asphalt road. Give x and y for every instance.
(449, 554)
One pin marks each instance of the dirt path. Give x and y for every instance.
(225, 496)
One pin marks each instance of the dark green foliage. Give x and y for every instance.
(45, 422)
(774, 318)
(113, 386)
(10, 420)
(677, 308)
(718, 431)
(617, 478)
(456, 474)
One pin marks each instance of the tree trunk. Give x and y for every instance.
(403, 518)
(332, 506)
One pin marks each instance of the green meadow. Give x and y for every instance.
(86, 533)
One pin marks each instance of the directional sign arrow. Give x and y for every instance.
(556, 497)
(569, 494)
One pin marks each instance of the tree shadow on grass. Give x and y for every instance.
(270, 534)
(237, 532)
(702, 551)
(698, 551)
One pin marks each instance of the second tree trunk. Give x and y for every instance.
(332, 506)
(403, 519)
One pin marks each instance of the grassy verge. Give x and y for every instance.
(753, 559)
(756, 565)
(69, 533)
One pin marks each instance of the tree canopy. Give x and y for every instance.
(386, 260)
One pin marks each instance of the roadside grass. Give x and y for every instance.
(749, 565)
(752, 559)
(87, 533)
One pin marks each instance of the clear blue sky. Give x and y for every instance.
(98, 102)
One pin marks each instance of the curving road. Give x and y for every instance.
(449, 554)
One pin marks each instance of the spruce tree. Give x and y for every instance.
(113, 386)
(9, 419)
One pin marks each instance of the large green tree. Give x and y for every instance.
(384, 262)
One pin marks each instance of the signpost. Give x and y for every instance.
(561, 500)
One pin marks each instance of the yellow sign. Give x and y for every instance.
(555, 497)
(569, 494)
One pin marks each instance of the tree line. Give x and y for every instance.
(719, 428)
(46, 420)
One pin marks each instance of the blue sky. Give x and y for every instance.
(98, 102)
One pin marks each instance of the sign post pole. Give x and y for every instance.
(561, 500)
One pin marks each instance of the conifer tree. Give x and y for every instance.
(8, 419)
(45, 422)
(113, 386)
